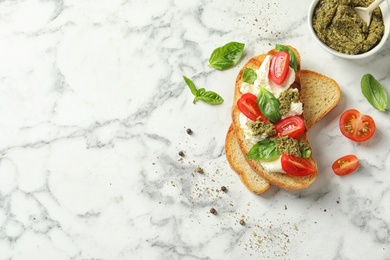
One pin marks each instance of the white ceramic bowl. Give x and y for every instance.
(386, 17)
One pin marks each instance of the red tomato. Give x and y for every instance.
(356, 126)
(293, 126)
(247, 104)
(345, 165)
(297, 166)
(279, 67)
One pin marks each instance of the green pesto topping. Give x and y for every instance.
(295, 147)
(286, 98)
(304, 148)
(258, 128)
(288, 145)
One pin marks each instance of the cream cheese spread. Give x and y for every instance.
(273, 166)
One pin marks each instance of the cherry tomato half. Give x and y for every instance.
(247, 104)
(297, 166)
(345, 165)
(356, 126)
(279, 67)
(293, 126)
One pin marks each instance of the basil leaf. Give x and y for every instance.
(198, 93)
(249, 75)
(191, 85)
(374, 92)
(268, 104)
(210, 97)
(265, 150)
(226, 56)
(293, 57)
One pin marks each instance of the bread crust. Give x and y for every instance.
(282, 180)
(253, 181)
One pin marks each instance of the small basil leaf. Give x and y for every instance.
(374, 92)
(306, 153)
(210, 97)
(226, 56)
(191, 85)
(265, 150)
(198, 93)
(269, 105)
(293, 57)
(249, 75)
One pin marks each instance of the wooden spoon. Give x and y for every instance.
(366, 12)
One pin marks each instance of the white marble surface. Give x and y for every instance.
(93, 113)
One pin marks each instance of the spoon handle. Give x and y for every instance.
(374, 5)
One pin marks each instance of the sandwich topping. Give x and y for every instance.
(264, 81)
(289, 103)
(271, 117)
(260, 128)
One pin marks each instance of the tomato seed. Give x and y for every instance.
(341, 162)
(349, 128)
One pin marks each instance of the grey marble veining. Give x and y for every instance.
(94, 113)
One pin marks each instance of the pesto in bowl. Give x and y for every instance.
(338, 26)
(338, 29)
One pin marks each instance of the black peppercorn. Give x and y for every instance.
(213, 211)
(223, 188)
(189, 131)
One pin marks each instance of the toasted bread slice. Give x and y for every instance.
(276, 178)
(319, 93)
(236, 159)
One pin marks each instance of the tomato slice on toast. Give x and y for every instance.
(247, 104)
(297, 166)
(279, 67)
(292, 126)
